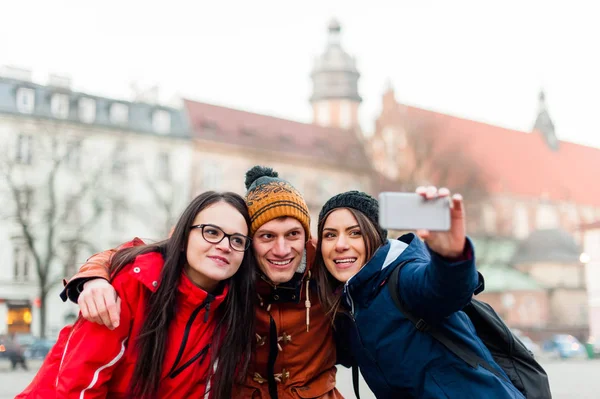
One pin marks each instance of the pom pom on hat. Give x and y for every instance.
(257, 172)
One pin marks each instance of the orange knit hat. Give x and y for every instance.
(270, 197)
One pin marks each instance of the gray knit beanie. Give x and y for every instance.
(360, 201)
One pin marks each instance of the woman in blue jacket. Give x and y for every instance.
(354, 261)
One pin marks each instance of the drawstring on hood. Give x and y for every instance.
(307, 301)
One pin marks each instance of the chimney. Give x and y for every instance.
(16, 73)
(59, 81)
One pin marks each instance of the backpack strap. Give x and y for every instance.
(355, 380)
(459, 349)
(392, 284)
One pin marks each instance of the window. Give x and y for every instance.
(286, 139)
(323, 115)
(119, 166)
(25, 100)
(119, 113)
(161, 121)
(248, 132)
(323, 147)
(24, 196)
(211, 175)
(73, 154)
(345, 114)
(209, 128)
(521, 221)
(87, 109)
(59, 105)
(24, 149)
(21, 261)
(546, 217)
(587, 214)
(18, 317)
(163, 167)
(389, 138)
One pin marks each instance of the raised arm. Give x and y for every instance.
(91, 290)
(444, 281)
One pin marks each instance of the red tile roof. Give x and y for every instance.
(520, 163)
(267, 133)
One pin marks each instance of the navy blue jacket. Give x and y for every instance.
(395, 359)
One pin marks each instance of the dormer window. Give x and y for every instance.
(161, 121)
(248, 132)
(59, 105)
(209, 128)
(119, 113)
(25, 100)
(87, 109)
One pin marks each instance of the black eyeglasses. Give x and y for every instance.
(214, 235)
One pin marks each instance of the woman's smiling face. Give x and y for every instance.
(342, 245)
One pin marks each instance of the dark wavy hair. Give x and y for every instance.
(327, 285)
(234, 319)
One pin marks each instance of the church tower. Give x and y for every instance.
(543, 123)
(335, 97)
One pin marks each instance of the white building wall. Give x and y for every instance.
(143, 217)
(591, 247)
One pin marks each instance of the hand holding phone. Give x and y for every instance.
(438, 218)
(411, 211)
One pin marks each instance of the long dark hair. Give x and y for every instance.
(235, 317)
(327, 285)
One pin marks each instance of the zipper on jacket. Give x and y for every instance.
(204, 305)
(200, 355)
(207, 306)
(360, 340)
(347, 292)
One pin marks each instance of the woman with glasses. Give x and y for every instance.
(186, 315)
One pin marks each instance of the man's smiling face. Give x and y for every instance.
(278, 247)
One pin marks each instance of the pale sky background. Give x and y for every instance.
(482, 60)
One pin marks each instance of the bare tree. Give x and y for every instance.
(431, 158)
(424, 154)
(55, 230)
(166, 195)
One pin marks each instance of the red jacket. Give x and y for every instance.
(90, 361)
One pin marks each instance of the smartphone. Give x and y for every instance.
(410, 211)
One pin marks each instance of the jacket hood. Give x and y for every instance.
(377, 270)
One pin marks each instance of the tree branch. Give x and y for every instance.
(21, 219)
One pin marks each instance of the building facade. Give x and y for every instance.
(80, 173)
(318, 161)
(519, 186)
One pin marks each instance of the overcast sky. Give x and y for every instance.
(480, 60)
